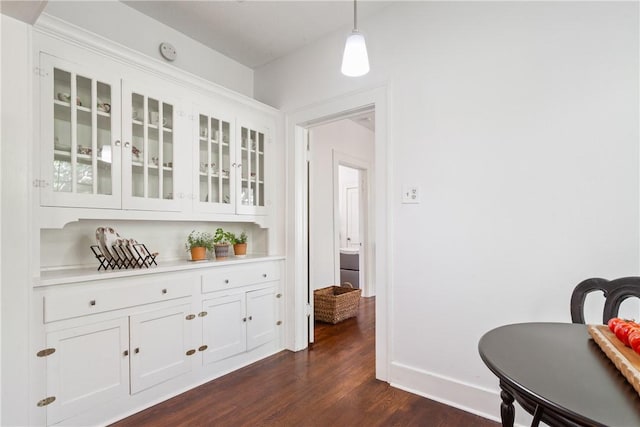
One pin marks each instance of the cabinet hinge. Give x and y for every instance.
(40, 72)
(46, 352)
(46, 401)
(202, 314)
(191, 352)
(191, 317)
(40, 183)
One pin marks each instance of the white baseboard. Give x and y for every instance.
(467, 397)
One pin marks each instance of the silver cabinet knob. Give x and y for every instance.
(127, 144)
(117, 143)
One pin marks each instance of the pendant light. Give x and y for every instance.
(355, 61)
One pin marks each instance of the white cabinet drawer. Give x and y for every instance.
(242, 275)
(69, 303)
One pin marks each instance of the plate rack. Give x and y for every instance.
(125, 256)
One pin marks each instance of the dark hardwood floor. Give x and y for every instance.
(333, 384)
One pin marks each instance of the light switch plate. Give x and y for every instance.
(410, 194)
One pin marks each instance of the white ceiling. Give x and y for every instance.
(255, 32)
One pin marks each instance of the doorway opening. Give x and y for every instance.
(299, 313)
(340, 161)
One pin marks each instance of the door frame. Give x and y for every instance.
(364, 207)
(298, 308)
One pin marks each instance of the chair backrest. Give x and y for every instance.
(615, 292)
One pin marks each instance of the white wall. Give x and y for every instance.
(519, 123)
(16, 225)
(346, 137)
(70, 246)
(122, 24)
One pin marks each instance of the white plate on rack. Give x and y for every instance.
(110, 238)
(101, 244)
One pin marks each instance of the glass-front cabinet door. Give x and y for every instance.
(149, 151)
(80, 155)
(214, 164)
(252, 145)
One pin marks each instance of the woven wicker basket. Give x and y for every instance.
(334, 304)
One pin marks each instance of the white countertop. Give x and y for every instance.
(57, 277)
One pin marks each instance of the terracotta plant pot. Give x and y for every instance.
(240, 249)
(222, 251)
(198, 253)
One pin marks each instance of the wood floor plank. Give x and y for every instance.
(333, 384)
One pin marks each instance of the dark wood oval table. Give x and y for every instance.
(559, 374)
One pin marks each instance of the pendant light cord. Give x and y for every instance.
(355, 16)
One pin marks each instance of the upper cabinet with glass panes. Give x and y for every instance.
(251, 169)
(125, 140)
(81, 155)
(150, 151)
(101, 150)
(229, 165)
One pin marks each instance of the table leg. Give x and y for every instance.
(507, 411)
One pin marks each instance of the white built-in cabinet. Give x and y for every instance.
(80, 136)
(113, 147)
(150, 161)
(109, 341)
(249, 320)
(160, 346)
(229, 158)
(99, 362)
(89, 366)
(127, 140)
(116, 141)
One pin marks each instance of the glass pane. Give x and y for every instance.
(62, 173)
(103, 135)
(138, 115)
(224, 159)
(166, 154)
(260, 170)
(204, 160)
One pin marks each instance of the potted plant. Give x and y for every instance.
(221, 240)
(239, 244)
(198, 243)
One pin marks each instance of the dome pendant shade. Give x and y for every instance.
(355, 61)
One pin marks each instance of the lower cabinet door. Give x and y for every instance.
(224, 327)
(160, 346)
(261, 312)
(88, 368)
